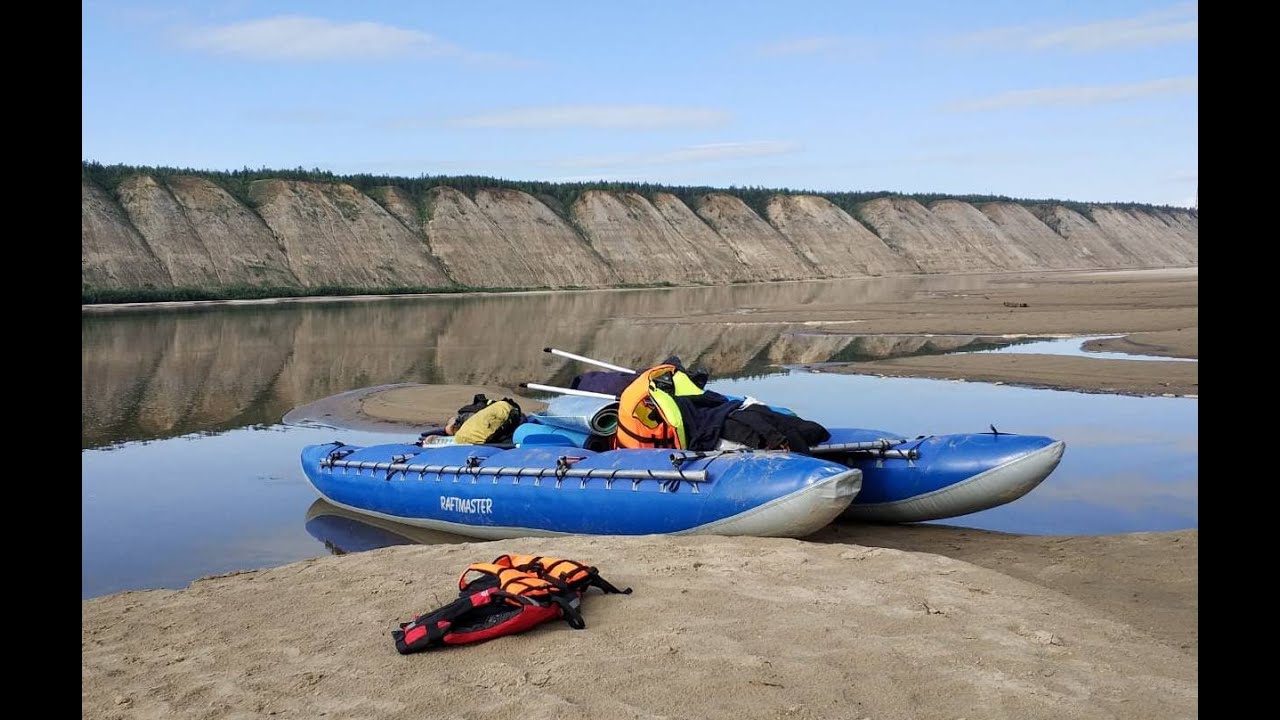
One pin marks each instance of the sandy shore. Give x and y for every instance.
(401, 407)
(1128, 377)
(716, 628)
(855, 622)
(1156, 311)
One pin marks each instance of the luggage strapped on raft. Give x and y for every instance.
(487, 421)
(512, 594)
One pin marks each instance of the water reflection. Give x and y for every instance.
(343, 531)
(1074, 347)
(150, 374)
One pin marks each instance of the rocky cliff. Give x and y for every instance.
(186, 232)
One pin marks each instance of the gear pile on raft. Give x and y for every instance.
(630, 452)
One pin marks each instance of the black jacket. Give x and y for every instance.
(758, 426)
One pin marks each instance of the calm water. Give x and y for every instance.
(187, 470)
(1074, 347)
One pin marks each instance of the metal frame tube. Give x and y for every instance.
(600, 473)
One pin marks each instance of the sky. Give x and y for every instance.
(1083, 101)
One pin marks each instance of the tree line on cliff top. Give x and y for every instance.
(559, 196)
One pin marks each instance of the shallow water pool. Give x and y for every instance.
(162, 513)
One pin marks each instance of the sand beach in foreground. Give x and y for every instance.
(854, 622)
(716, 628)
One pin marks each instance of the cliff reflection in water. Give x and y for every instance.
(149, 374)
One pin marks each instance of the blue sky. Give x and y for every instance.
(1085, 101)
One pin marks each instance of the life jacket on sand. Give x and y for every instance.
(648, 416)
(569, 574)
(512, 594)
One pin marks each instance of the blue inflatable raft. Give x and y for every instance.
(550, 486)
(939, 476)
(903, 480)
(491, 492)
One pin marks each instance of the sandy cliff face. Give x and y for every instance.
(722, 262)
(187, 231)
(833, 241)
(633, 236)
(984, 237)
(1145, 236)
(1049, 250)
(1186, 226)
(762, 249)
(1095, 248)
(158, 216)
(550, 246)
(401, 206)
(473, 250)
(335, 235)
(508, 239)
(241, 247)
(909, 228)
(112, 253)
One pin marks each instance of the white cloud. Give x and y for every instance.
(293, 37)
(1173, 24)
(692, 154)
(1094, 95)
(642, 117)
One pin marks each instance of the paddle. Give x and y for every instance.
(568, 391)
(589, 361)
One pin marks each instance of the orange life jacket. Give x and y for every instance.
(562, 573)
(648, 417)
(509, 595)
(511, 580)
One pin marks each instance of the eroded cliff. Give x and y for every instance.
(157, 232)
(113, 254)
(335, 235)
(831, 240)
